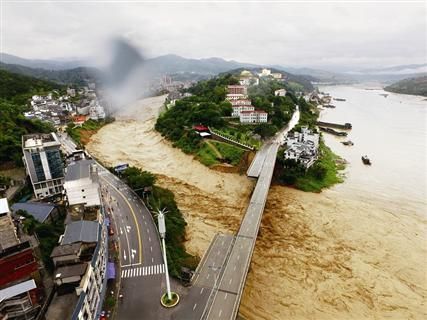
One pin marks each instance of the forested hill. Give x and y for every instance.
(77, 76)
(414, 86)
(18, 88)
(14, 93)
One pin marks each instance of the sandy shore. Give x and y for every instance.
(318, 256)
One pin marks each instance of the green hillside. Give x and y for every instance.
(414, 86)
(14, 93)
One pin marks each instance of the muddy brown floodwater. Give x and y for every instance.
(318, 256)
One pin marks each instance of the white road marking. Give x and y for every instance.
(149, 239)
(124, 254)
(207, 277)
(231, 279)
(220, 312)
(195, 305)
(226, 295)
(201, 291)
(152, 260)
(151, 248)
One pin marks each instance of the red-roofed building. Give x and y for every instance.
(79, 119)
(201, 128)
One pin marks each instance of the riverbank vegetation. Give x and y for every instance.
(81, 134)
(157, 198)
(414, 86)
(15, 91)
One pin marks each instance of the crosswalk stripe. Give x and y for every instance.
(157, 269)
(163, 268)
(144, 271)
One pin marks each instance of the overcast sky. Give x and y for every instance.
(317, 34)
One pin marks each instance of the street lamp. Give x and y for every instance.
(162, 231)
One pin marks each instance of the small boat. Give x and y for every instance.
(366, 160)
(339, 99)
(347, 143)
(385, 95)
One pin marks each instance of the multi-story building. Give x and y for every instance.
(81, 258)
(255, 116)
(19, 295)
(242, 102)
(237, 109)
(43, 162)
(237, 89)
(81, 184)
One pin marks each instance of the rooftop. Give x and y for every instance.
(81, 231)
(78, 170)
(78, 269)
(40, 139)
(40, 211)
(19, 288)
(66, 249)
(8, 236)
(4, 206)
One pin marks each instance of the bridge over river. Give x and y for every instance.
(220, 278)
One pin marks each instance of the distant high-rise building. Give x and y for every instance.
(43, 163)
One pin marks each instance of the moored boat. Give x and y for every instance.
(366, 160)
(347, 143)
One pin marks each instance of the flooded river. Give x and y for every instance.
(392, 131)
(357, 250)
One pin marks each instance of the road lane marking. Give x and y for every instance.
(220, 313)
(149, 239)
(201, 291)
(152, 260)
(226, 295)
(195, 305)
(207, 277)
(231, 279)
(151, 248)
(134, 218)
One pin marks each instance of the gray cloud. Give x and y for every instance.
(298, 34)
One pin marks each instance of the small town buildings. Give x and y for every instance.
(43, 163)
(280, 93)
(81, 258)
(302, 147)
(19, 296)
(254, 116)
(202, 131)
(42, 212)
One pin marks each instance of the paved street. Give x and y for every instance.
(142, 268)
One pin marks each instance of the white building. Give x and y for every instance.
(302, 147)
(255, 116)
(265, 73)
(235, 96)
(43, 163)
(276, 75)
(237, 109)
(71, 92)
(280, 93)
(242, 102)
(96, 111)
(81, 184)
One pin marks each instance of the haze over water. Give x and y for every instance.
(392, 132)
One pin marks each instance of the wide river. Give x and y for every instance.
(392, 131)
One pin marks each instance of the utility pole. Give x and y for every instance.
(162, 231)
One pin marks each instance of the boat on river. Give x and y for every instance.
(366, 160)
(347, 143)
